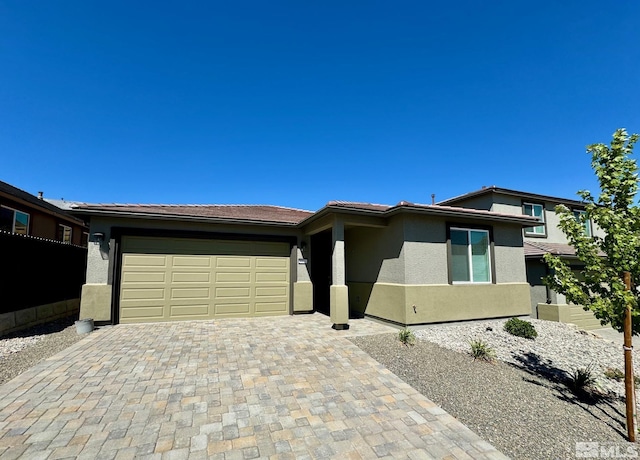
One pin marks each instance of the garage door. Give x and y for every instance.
(173, 279)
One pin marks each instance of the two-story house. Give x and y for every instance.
(546, 238)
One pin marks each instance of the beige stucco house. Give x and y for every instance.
(408, 264)
(541, 239)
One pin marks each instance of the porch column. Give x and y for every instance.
(339, 292)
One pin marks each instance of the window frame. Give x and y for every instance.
(543, 224)
(490, 248)
(13, 223)
(586, 224)
(65, 227)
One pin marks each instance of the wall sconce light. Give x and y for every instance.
(98, 237)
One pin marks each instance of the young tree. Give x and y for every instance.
(600, 286)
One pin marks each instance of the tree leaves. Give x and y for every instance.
(600, 287)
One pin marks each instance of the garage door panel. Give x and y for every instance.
(232, 309)
(274, 291)
(231, 277)
(191, 277)
(133, 260)
(271, 307)
(143, 277)
(142, 293)
(232, 292)
(191, 261)
(143, 313)
(271, 262)
(271, 277)
(233, 262)
(180, 279)
(190, 293)
(190, 310)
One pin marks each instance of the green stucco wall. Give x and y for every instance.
(96, 302)
(302, 296)
(573, 314)
(439, 303)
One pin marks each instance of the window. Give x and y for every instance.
(470, 261)
(64, 234)
(84, 241)
(581, 216)
(14, 221)
(535, 210)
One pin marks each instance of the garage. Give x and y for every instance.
(178, 279)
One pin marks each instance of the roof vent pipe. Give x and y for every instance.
(433, 198)
(40, 195)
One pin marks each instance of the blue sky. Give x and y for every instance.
(299, 103)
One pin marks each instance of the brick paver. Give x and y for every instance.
(284, 387)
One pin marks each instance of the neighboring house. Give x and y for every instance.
(408, 264)
(25, 214)
(546, 238)
(42, 263)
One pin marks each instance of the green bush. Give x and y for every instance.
(520, 328)
(406, 336)
(481, 350)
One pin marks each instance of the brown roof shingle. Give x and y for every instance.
(542, 248)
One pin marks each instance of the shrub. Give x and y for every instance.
(406, 336)
(582, 378)
(520, 328)
(481, 350)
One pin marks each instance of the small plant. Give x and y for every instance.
(520, 328)
(481, 350)
(407, 337)
(582, 378)
(616, 374)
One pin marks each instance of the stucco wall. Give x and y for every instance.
(375, 254)
(573, 314)
(508, 254)
(536, 269)
(425, 250)
(478, 202)
(423, 304)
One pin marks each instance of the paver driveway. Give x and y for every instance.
(286, 387)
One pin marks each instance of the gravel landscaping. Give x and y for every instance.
(22, 350)
(519, 402)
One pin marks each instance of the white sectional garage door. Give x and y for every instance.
(174, 279)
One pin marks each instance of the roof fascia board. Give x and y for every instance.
(525, 221)
(220, 220)
(340, 210)
(516, 193)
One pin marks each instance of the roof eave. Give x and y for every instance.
(509, 192)
(58, 212)
(172, 217)
(525, 221)
(339, 210)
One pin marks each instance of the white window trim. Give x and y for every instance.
(470, 255)
(542, 224)
(13, 224)
(64, 227)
